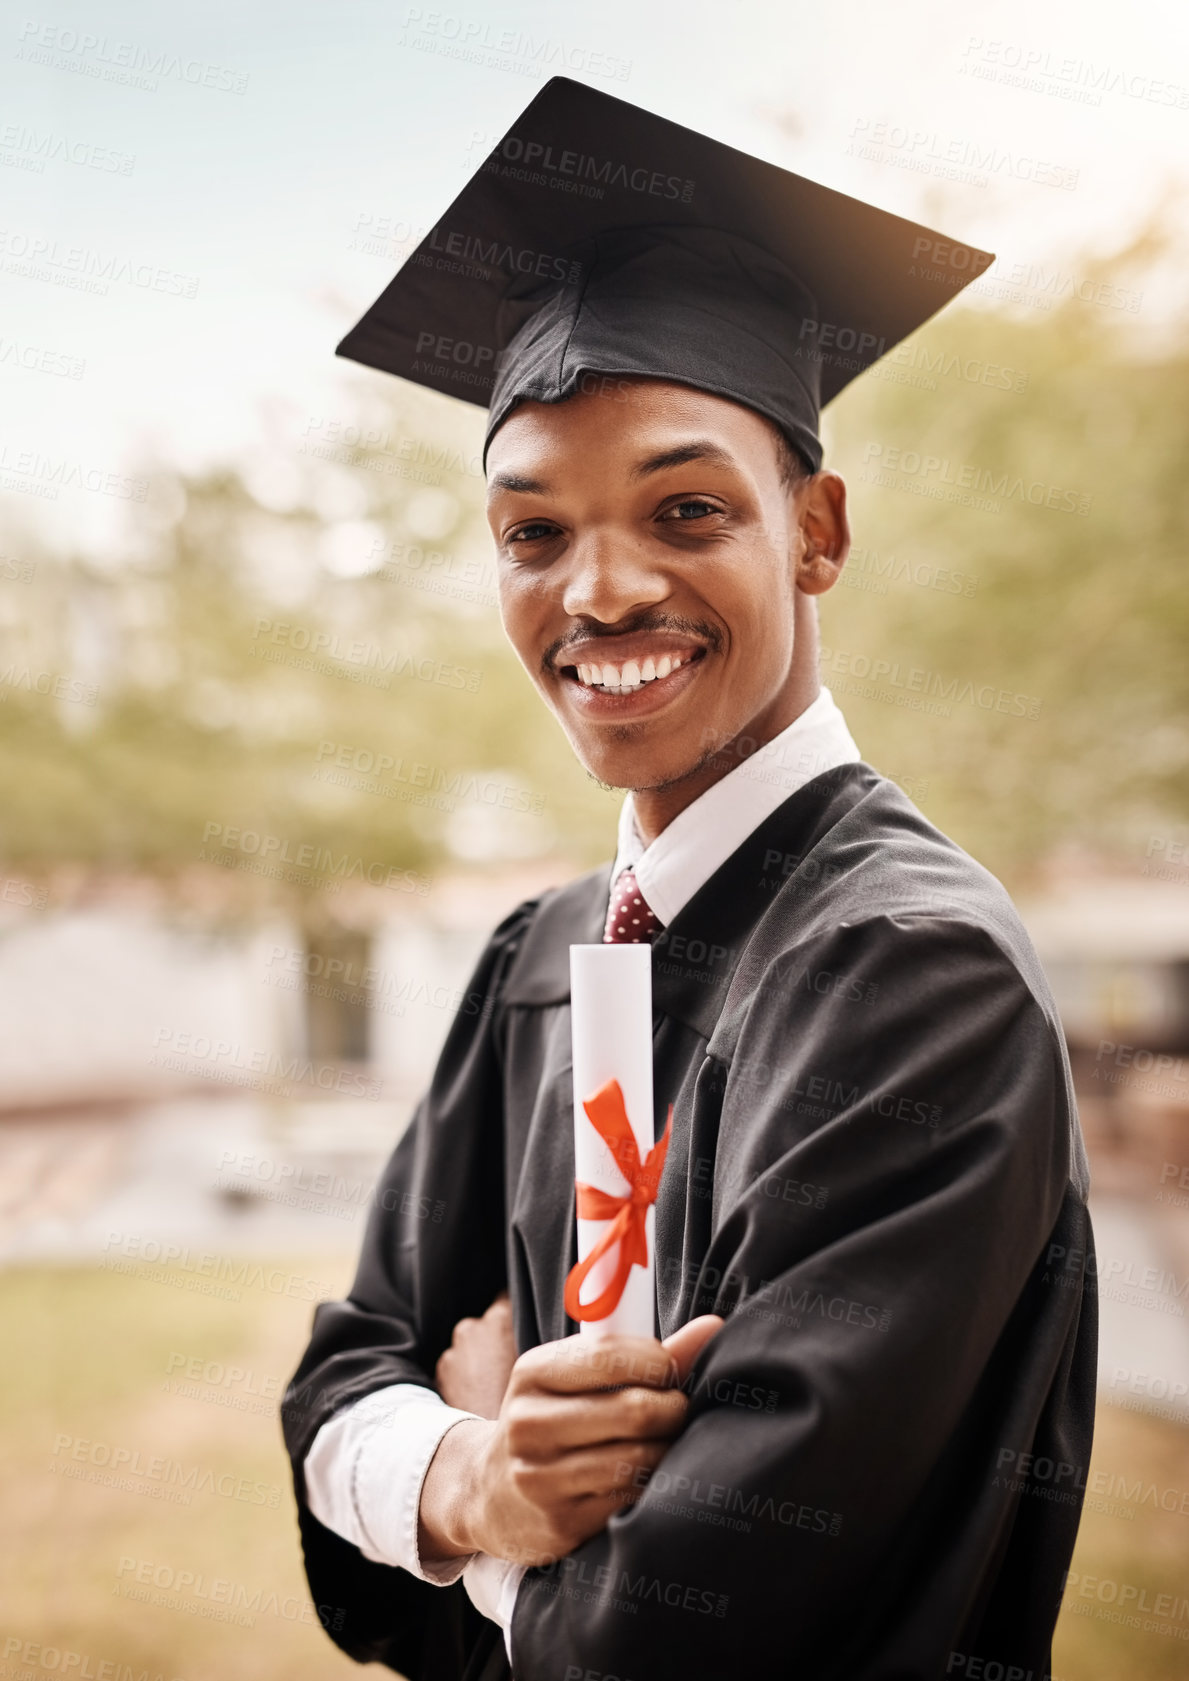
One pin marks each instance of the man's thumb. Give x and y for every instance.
(686, 1344)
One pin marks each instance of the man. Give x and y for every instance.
(875, 1307)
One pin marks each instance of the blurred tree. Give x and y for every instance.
(310, 650)
(310, 653)
(1025, 550)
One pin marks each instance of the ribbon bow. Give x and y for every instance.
(628, 1214)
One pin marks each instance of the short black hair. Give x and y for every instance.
(793, 465)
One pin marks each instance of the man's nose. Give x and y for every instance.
(610, 575)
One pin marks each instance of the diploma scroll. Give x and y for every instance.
(611, 1018)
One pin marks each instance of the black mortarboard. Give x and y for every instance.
(599, 238)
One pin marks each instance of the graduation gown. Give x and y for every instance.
(876, 1174)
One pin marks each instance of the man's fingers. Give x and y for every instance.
(617, 1472)
(686, 1344)
(541, 1426)
(575, 1365)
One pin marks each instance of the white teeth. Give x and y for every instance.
(626, 679)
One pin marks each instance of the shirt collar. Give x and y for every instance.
(686, 853)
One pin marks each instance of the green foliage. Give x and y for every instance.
(288, 674)
(1019, 571)
(1079, 617)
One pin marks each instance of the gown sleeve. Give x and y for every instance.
(892, 1162)
(439, 1198)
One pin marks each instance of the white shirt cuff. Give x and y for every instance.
(365, 1470)
(492, 1584)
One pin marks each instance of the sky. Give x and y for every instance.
(248, 177)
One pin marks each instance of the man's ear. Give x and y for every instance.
(825, 532)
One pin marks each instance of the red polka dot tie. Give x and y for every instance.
(630, 918)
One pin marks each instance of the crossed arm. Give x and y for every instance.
(567, 1435)
(871, 1327)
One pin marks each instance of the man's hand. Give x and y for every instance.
(473, 1373)
(581, 1424)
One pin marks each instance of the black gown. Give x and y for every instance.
(876, 1174)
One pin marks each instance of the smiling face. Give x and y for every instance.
(655, 573)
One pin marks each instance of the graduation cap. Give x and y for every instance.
(600, 239)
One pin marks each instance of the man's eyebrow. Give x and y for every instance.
(519, 482)
(698, 449)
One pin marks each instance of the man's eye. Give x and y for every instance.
(692, 508)
(531, 533)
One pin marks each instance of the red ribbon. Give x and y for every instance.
(627, 1213)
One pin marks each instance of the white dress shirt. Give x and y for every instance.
(365, 1470)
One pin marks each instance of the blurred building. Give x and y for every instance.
(174, 1077)
(1116, 950)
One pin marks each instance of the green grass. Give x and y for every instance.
(90, 1354)
(1148, 1551)
(100, 1347)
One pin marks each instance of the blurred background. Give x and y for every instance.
(270, 773)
